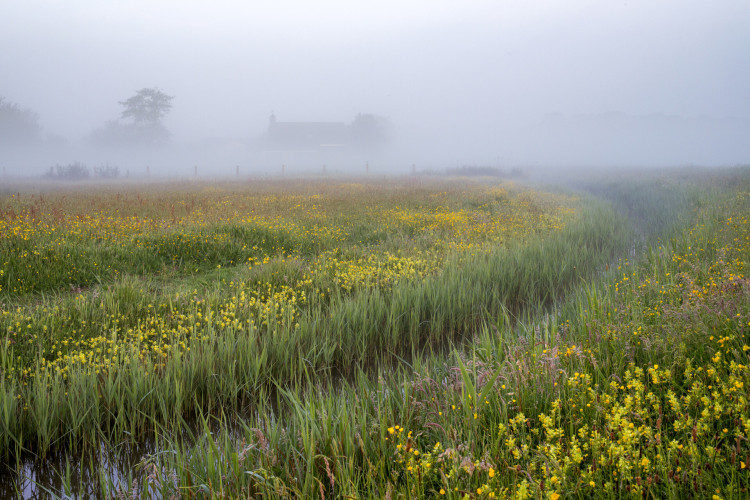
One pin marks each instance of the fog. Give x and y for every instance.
(501, 83)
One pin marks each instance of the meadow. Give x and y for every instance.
(388, 339)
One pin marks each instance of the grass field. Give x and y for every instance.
(382, 339)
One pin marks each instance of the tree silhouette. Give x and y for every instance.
(17, 125)
(369, 131)
(147, 107)
(144, 113)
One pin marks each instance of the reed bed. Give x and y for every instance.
(635, 385)
(124, 308)
(326, 312)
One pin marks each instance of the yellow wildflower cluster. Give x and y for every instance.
(59, 240)
(645, 394)
(273, 250)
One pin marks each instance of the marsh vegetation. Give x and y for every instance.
(378, 338)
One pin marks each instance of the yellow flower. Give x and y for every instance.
(555, 495)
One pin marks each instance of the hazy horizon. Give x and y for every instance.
(479, 82)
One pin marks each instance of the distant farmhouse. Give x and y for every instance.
(365, 132)
(306, 136)
(325, 143)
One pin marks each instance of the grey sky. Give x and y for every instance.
(474, 70)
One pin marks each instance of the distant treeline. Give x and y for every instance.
(79, 171)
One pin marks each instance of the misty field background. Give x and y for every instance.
(391, 338)
(477, 249)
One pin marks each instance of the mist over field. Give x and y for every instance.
(380, 87)
(487, 249)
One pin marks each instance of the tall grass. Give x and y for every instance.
(635, 385)
(218, 362)
(227, 366)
